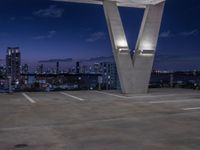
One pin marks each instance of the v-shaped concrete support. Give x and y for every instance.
(120, 46)
(134, 75)
(146, 46)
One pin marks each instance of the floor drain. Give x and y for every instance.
(21, 145)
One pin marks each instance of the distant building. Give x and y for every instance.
(109, 75)
(40, 69)
(13, 63)
(2, 72)
(97, 68)
(25, 69)
(57, 67)
(84, 69)
(77, 67)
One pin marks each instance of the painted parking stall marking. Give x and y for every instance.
(28, 98)
(72, 96)
(174, 101)
(194, 108)
(110, 94)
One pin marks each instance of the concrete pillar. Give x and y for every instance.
(146, 46)
(120, 46)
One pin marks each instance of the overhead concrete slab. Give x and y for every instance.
(123, 3)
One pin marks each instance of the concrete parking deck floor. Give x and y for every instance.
(164, 119)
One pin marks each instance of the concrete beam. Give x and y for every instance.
(120, 46)
(146, 46)
(122, 3)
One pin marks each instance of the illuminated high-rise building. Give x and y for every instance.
(13, 63)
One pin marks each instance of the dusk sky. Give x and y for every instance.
(45, 29)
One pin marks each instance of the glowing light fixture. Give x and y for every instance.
(147, 52)
(123, 50)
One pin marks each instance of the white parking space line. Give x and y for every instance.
(72, 96)
(143, 96)
(110, 94)
(194, 108)
(129, 97)
(28, 98)
(174, 101)
(162, 95)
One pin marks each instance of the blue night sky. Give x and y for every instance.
(45, 29)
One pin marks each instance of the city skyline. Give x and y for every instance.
(54, 30)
